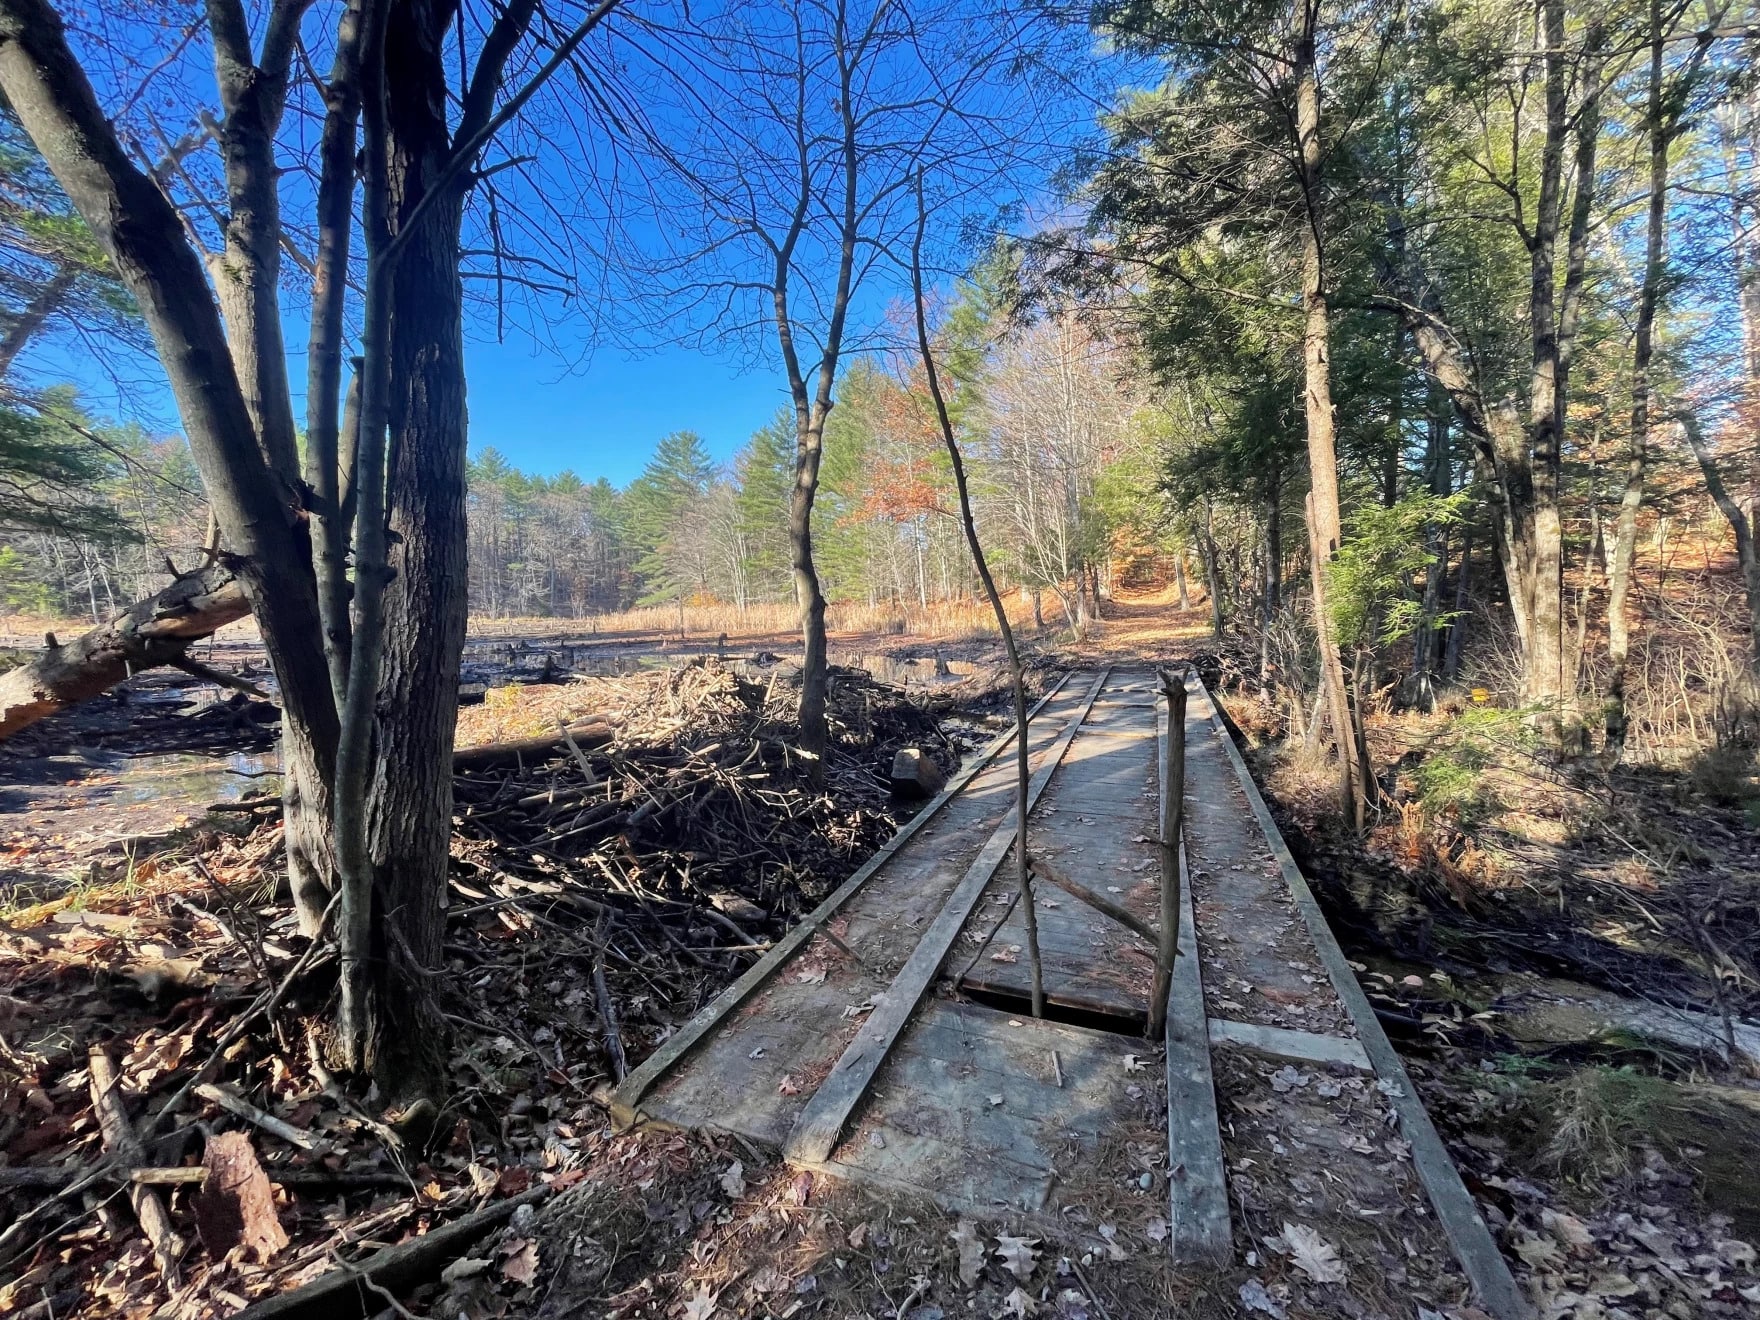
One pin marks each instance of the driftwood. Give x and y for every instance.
(588, 733)
(120, 1138)
(156, 631)
(343, 1294)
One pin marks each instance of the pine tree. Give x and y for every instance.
(678, 476)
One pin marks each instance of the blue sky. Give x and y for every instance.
(577, 400)
(605, 420)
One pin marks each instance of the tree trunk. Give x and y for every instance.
(1747, 552)
(157, 631)
(1424, 636)
(1451, 649)
(1325, 531)
(409, 810)
(809, 596)
(1179, 576)
(1212, 579)
(1625, 538)
(36, 312)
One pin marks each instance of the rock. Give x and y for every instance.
(915, 775)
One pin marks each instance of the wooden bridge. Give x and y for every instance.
(887, 1039)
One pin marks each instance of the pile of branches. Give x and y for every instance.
(161, 1036)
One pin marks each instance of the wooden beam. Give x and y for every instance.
(1171, 731)
(820, 1125)
(1197, 1186)
(624, 1101)
(1282, 1043)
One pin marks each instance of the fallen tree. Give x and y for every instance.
(156, 631)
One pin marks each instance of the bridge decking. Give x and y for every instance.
(886, 1040)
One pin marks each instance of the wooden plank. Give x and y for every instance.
(1197, 1184)
(821, 1123)
(1461, 1221)
(1282, 1043)
(633, 1087)
(955, 1179)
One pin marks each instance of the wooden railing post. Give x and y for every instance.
(1173, 792)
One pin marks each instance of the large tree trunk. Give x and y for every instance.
(409, 808)
(157, 631)
(809, 596)
(1325, 527)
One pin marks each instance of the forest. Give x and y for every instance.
(1392, 372)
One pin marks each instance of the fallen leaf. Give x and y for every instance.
(521, 1265)
(1019, 1303)
(1536, 1252)
(1110, 1234)
(465, 1267)
(994, 1099)
(1156, 1230)
(1255, 1298)
(733, 1182)
(971, 1251)
(1313, 1254)
(1132, 1064)
(788, 1086)
(1287, 1079)
(1572, 1232)
(700, 1305)
(813, 976)
(1018, 1254)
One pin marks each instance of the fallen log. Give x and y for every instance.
(156, 631)
(343, 1294)
(588, 733)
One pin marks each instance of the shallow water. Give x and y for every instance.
(192, 780)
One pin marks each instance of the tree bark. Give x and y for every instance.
(157, 631)
(247, 271)
(1747, 551)
(332, 513)
(1325, 529)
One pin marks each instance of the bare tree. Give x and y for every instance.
(787, 197)
(369, 701)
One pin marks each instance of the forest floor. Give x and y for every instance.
(1517, 923)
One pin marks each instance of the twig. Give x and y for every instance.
(608, 1015)
(236, 1104)
(1123, 915)
(119, 1136)
(366, 1281)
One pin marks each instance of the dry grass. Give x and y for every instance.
(950, 620)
